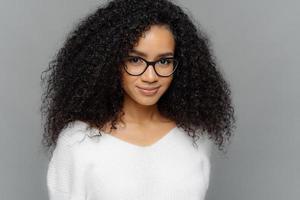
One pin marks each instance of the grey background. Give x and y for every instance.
(257, 46)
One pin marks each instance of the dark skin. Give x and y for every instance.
(143, 124)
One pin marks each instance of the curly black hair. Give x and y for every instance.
(83, 81)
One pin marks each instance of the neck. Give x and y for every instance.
(139, 114)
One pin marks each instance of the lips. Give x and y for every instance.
(148, 91)
(154, 88)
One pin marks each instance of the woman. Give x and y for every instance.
(132, 102)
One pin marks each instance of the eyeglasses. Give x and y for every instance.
(164, 67)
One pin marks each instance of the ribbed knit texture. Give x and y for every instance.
(88, 167)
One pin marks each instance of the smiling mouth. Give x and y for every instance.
(148, 91)
(154, 88)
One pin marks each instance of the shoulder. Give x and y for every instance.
(73, 133)
(72, 142)
(204, 143)
(201, 142)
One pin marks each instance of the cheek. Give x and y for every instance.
(128, 81)
(168, 82)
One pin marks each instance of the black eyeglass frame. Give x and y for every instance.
(153, 63)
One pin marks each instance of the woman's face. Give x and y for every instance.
(157, 40)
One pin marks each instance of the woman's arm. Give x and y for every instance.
(65, 170)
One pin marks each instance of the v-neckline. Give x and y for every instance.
(159, 142)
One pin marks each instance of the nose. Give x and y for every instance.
(149, 75)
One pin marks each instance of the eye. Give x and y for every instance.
(134, 60)
(165, 61)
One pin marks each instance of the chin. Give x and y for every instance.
(146, 102)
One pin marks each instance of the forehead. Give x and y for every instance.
(157, 40)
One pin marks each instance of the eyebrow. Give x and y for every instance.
(145, 55)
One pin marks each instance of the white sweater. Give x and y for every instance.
(88, 167)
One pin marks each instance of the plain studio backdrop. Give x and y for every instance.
(257, 45)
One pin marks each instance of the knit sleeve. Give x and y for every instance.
(205, 145)
(65, 171)
(207, 162)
